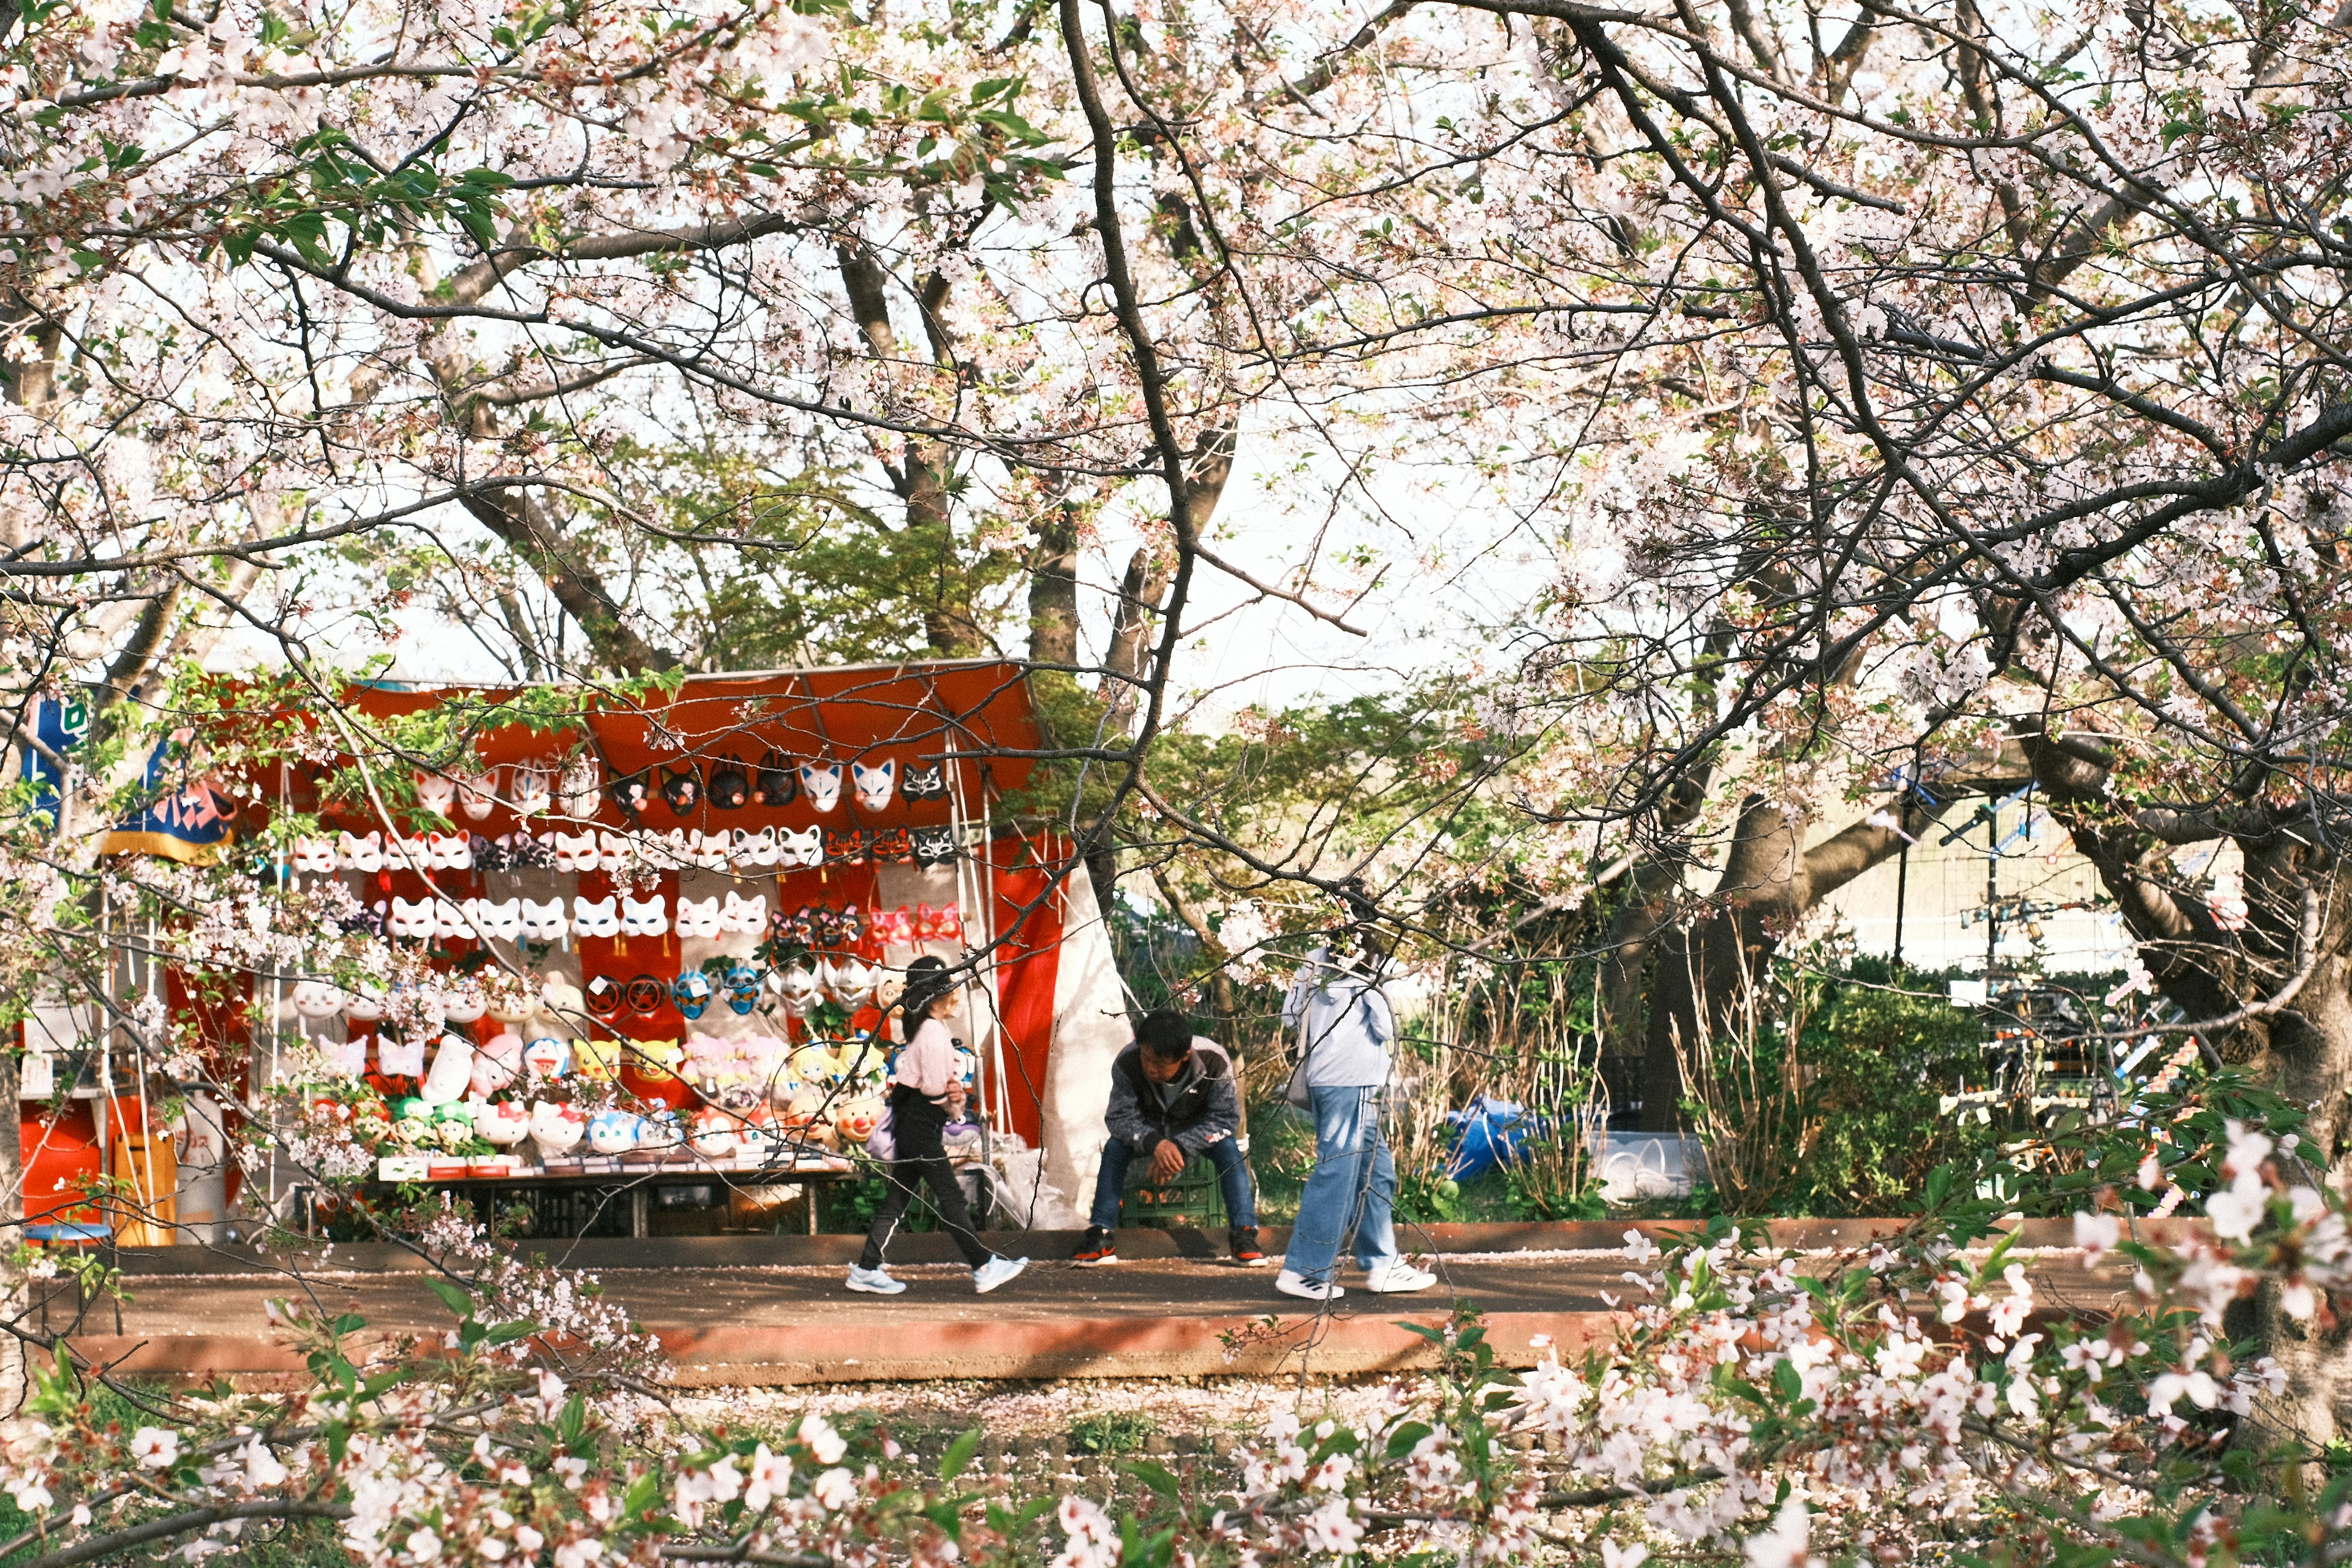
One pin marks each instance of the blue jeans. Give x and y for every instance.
(1232, 1180)
(1352, 1189)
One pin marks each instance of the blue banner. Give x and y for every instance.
(59, 723)
(187, 820)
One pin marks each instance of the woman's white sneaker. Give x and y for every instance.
(1298, 1285)
(1395, 1276)
(995, 1272)
(874, 1283)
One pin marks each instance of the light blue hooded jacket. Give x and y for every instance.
(1346, 1024)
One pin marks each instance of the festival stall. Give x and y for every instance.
(658, 943)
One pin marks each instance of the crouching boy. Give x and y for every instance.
(1172, 1096)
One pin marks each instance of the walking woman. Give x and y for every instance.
(919, 1085)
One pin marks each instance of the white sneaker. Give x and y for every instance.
(995, 1272)
(1395, 1276)
(1291, 1284)
(875, 1281)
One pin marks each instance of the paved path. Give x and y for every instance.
(1140, 1318)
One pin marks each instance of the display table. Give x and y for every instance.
(637, 1178)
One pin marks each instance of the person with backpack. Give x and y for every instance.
(1172, 1096)
(920, 1083)
(1346, 1029)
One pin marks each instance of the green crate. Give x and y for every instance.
(1194, 1199)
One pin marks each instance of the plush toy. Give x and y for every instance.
(548, 1056)
(400, 1058)
(463, 1003)
(363, 1005)
(614, 1131)
(453, 1067)
(503, 1122)
(555, 1129)
(496, 1062)
(316, 999)
(714, 1134)
(854, 1120)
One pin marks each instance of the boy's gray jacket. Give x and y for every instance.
(1196, 1110)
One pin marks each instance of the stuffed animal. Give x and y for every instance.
(316, 999)
(547, 1055)
(446, 1079)
(714, 1134)
(503, 1122)
(614, 1131)
(495, 1063)
(555, 1129)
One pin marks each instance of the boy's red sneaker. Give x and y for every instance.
(1097, 1249)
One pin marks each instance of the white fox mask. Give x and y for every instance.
(612, 849)
(476, 794)
(876, 783)
(533, 794)
(314, 856)
(449, 852)
(449, 921)
(699, 918)
(646, 917)
(499, 919)
(600, 917)
(410, 919)
(543, 923)
(742, 914)
(575, 852)
(754, 851)
(805, 848)
(360, 854)
(434, 793)
(822, 785)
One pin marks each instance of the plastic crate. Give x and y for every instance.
(1191, 1199)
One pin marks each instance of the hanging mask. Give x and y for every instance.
(773, 785)
(649, 917)
(409, 854)
(575, 852)
(548, 1057)
(463, 1003)
(934, 845)
(477, 793)
(796, 987)
(526, 852)
(731, 787)
(691, 992)
(711, 852)
(604, 996)
(534, 792)
(742, 988)
(498, 920)
(646, 995)
(805, 848)
(434, 793)
(697, 918)
(892, 846)
(926, 783)
(488, 855)
(449, 921)
(748, 917)
(601, 917)
(632, 794)
(612, 849)
(353, 853)
(822, 785)
(449, 852)
(364, 1006)
(876, 783)
(411, 920)
(314, 856)
(543, 923)
(753, 852)
(682, 791)
(848, 848)
(582, 785)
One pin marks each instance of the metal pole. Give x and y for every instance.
(1992, 891)
(1902, 888)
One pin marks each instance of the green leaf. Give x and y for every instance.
(1401, 1440)
(456, 1299)
(1154, 1475)
(1786, 1378)
(959, 1455)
